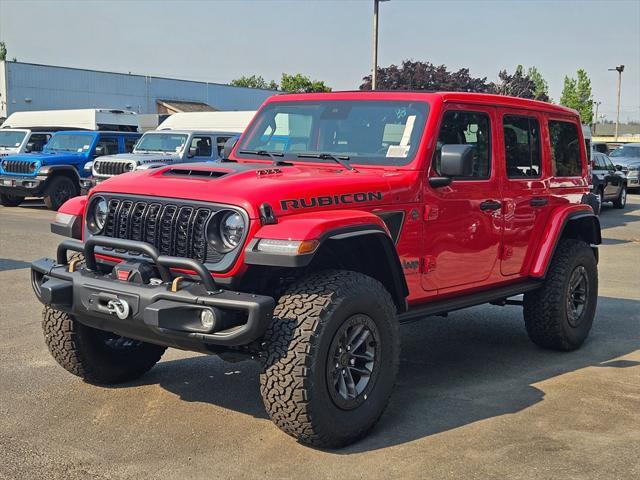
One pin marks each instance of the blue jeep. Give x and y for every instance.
(55, 172)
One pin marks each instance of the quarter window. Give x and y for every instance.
(467, 128)
(522, 146)
(565, 149)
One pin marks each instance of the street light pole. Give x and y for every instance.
(595, 124)
(374, 72)
(619, 69)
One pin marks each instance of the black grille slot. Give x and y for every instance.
(174, 229)
(112, 167)
(18, 166)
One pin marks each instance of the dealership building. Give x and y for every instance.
(28, 86)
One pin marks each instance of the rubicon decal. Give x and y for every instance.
(327, 200)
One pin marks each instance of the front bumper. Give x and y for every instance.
(160, 311)
(86, 184)
(22, 186)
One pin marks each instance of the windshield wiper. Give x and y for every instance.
(342, 159)
(266, 153)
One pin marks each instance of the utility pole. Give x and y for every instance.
(595, 124)
(619, 69)
(374, 72)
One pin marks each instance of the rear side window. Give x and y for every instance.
(220, 141)
(110, 145)
(467, 128)
(565, 149)
(129, 143)
(39, 140)
(522, 146)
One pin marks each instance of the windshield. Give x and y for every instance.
(626, 151)
(364, 132)
(161, 142)
(11, 139)
(69, 142)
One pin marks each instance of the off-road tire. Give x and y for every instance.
(621, 201)
(546, 310)
(8, 200)
(297, 347)
(59, 190)
(81, 350)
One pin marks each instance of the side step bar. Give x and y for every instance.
(443, 306)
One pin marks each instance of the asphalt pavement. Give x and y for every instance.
(475, 398)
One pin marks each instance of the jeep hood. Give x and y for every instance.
(45, 158)
(141, 158)
(288, 189)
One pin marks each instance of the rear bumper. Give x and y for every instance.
(156, 312)
(23, 186)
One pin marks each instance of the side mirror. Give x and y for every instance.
(29, 147)
(457, 160)
(100, 150)
(228, 146)
(192, 152)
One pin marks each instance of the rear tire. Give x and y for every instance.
(331, 358)
(559, 315)
(59, 190)
(96, 356)
(621, 201)
(8, 200)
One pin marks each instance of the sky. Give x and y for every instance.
(330, 40)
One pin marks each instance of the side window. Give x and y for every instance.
(110, 145)
(202, 146)
(129, 143)
(522, 146)
(220, 141)
(39, 140)
(467, 128)
(565, 149)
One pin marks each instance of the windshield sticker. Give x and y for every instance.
(408, 128)
(398, 151)
(17, 144)
(84, 148)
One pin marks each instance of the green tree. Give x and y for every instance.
(576, 94)
(299, 83)
(585, 99)
(541, 91)
(254, 81)
(3, 51)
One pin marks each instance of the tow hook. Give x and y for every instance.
(118, 307)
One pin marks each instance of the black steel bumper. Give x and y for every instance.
(86, 184)
(164, 311)
(23, 186)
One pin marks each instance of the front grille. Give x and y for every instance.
(112, 167)
(174, 229)
(18, 166)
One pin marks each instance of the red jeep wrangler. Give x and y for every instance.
(335, 218)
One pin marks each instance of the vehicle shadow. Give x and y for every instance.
(9, 264)
(473, 365)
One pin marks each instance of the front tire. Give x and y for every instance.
(331, 358)
(8, 200)
(59, 190)
(559, 314)
(621, 201)
(96, 356)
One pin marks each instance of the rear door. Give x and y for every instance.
(614, 180)
(525, 194)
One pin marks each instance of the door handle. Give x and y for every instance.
(490, 205)
(538, 202)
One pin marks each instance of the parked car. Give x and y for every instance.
(384, 207)
(55, 173)
(600, 147)
(627, 159)
(608, 183)
(182, 137)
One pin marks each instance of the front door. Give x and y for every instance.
(463, 221)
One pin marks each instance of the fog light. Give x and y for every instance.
(207, 319)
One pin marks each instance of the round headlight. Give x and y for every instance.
(231, 229)
(97, 215)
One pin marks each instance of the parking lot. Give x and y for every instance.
(474, 399)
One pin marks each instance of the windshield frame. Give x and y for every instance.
(6, 130)
(137, 148)
(422, 106)
(635, 148)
